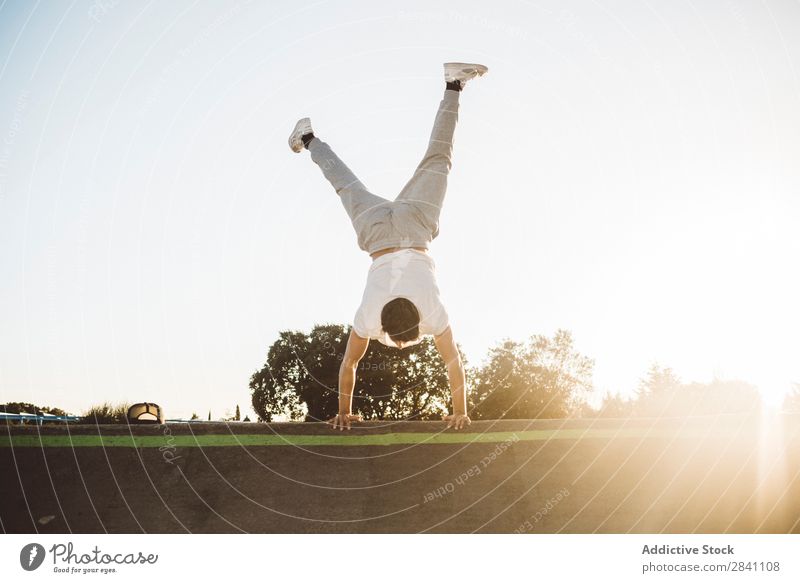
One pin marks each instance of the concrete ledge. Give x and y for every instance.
(725, 473)
(373, 433)
(384, 427)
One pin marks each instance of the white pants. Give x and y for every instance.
(412, 218)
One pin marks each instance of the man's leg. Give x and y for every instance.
(357, 200)
(427, 187)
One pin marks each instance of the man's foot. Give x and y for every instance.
(301, 128)
(460, 73)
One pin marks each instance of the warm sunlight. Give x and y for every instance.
(714, 296)
(355, 267)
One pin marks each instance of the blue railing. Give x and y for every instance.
(38, 419)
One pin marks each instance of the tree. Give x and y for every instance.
(540, 378)
(106, 413)
(238, 416)
(661, 394)
(17, 407)
(615, 406)
(717, 397)
(194, 417)
(209, 414)
(655, 395)
(300, 378)
(791, 403)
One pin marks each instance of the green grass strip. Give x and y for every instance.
(337, 439)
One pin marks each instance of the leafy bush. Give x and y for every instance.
(106, 414)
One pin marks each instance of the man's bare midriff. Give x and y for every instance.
(393, 249)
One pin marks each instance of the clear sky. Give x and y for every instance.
(627, 170)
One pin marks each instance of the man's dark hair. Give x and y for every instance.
(400, 320)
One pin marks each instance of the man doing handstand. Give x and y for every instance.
(401, 300)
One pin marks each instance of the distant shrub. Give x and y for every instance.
(15, 408)
(106, 414)
(30, 408)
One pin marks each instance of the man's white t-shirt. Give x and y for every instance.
(409, 274)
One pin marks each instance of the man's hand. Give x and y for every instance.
(455, 374)
(343, 420)
(458, 421)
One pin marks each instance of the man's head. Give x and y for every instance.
(400, 320)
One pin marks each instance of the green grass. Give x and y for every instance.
(335, 439)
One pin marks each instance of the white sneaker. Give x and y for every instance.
(301, 128)
(463, 72)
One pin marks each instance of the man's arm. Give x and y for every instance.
(356, 348)
(455, 373)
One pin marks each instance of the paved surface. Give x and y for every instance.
(712, 474)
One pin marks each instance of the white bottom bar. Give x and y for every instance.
(370, 557)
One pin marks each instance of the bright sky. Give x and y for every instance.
(627, 170)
